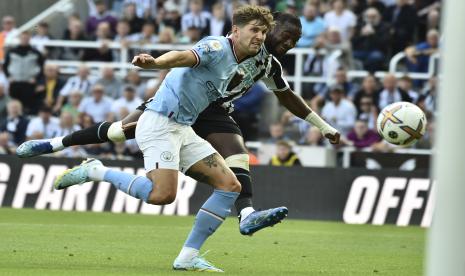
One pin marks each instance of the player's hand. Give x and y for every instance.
(332, 135)
(145, 61)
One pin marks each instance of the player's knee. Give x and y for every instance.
(161, 198)
(233, 185)
(116, 133)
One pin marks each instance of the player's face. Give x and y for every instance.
(282, 38)
(250, 37)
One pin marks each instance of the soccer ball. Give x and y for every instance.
(401, 123)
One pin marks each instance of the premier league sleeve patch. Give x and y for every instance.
(215, 45)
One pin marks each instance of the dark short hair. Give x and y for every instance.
(336, 87)
(129, 89)
(247, 13)
(284, 144)
(46, 109)
(286, 19)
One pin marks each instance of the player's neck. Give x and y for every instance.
(238, 53)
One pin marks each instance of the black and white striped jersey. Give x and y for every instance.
(263, 66)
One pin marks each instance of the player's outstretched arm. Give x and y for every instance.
(295, 104)
(169, 60)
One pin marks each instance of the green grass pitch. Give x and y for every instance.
(70, 243)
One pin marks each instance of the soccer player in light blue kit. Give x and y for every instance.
(167, 140)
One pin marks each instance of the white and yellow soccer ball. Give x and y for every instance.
(401, 123)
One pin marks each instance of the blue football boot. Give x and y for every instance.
(34, 147)
(260, 219)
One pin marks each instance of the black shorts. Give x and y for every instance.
(214, 119)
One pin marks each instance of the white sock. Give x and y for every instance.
(96, 173)
(57, 143)
(187, 253)
(246, 211)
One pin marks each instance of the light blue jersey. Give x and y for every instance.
(186, 92)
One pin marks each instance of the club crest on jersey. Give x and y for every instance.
(167, 156)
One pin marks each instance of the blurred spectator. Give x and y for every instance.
(4, 100)
(361, 136)
(247, 110)
(368, 111)
(291, 7)
(428, 17)
(403, 20)
(340, 78)
(144, 8)
(276, 133)
(93, 149)
(80, 82)
(313, 137)
(23, 66)
(428, 100)
(134, 80)
(122, 36)
(406, 84)
(391, 93)
(112, 84)
(74, 32)
(172, 18)
(49, 86)
(147, 36)
(284, 156)
(342, 19)
(191, 36)
(72, 106)
(427, 141)
(294, 126)
(101, 15)
(44, 126)
(97, 106)
(368, 89)
(362, 6)
(7, 33)
(4, 80)
(418, 56)
(220, 25)
(6, 145)
(104, 36)
(325, 64)
(154, 84)
(134, 21)
(67, 124)
(129, 101)
(42, 35)
(371, 40)
(16, 123)
(120, 151)
(339, 112)
(196, 18)
(312, 26)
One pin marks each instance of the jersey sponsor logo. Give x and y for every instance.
(167, 156)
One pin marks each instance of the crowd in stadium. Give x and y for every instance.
(38, 102)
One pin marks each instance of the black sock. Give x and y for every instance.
(245, 198)
(95, 134)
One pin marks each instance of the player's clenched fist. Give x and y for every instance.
(145, 61)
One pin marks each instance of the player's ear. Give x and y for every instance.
(235, 30)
